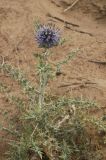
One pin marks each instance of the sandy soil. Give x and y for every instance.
(81, 77)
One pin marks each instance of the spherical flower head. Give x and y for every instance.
(48, 36)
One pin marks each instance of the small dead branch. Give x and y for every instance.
(67, 117)
(82, 86)
(76, 30)
(71, 6)
(62, 121)
(98, 62)
(64, 21)
(76, 84)
(2, 60)
(55, 3)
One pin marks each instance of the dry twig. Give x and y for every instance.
(76, 84)
(62, 121)
(72, 5)
(64, 21)
(2, 61)
(98, 62)
(76, 30)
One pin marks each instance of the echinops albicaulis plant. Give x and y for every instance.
(47, 36)
(50, 127)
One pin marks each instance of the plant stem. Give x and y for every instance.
(43, 79)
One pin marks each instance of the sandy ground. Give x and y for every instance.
(81, 77)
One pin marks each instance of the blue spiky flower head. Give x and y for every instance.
(47, 36)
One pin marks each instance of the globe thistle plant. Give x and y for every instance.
(47, 36)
